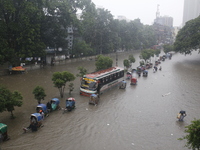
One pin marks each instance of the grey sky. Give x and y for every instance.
(144, 9)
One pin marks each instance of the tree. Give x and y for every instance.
(20, 30)
(39, 93)
(188, 37)
(82, 48)
(71, 88)
(193, 135)
(126, 63)
(157, 52)
(168, 48)
(9, 100)
(131, 59)
(82, 71)
(103, 62)
(146, 54)
(60, 79)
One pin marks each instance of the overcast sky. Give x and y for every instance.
(145, 10)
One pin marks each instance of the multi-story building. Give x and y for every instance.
(165, 21)
(191, 10)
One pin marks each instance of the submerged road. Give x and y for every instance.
(141, 117)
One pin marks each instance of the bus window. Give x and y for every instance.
(93, 85)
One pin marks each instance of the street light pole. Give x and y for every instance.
(116, 59)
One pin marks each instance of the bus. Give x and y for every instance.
(100, 81)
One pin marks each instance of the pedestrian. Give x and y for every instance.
(181, 115)
(160, 68)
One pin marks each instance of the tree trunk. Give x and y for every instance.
(12, 115)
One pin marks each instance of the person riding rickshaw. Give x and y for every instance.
(94, 99)
(35, 122)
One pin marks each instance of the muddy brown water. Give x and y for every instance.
(141, 117)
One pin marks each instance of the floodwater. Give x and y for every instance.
(141, 117)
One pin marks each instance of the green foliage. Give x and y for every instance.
(81, 48)
(147, 54)
(103, 62)
(82, 71)
(157, 52)
(60, 79)
(188, 37)
(131, 59)
(193, 135)
(39, 93)
(9, 100)
(168, 48)
(28, 27)
(126, 63)
(20, 30)
(142, 63)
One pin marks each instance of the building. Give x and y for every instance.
(191, 10)
(165, 21)
(163, 28)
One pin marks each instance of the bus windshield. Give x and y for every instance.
(88, 84)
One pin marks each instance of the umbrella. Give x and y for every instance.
(71, 99)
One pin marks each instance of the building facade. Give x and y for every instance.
(191, 10)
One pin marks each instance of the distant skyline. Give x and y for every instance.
(145, 10)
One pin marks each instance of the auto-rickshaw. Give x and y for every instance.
(94, 99)
(43, 108)
(3, 132)
(70, 104)
(122, 85)
(55, 103)
(145, 73)
(128, 75)
(35, 122)
(133, 81)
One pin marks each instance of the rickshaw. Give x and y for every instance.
(43, 108)
(70, 104)
(123, 85)
(94, 99)
(3, 132)
(35, 122)
(133, 81)
(145, 73)
(128, 75)
(139, 70)
(55, 103)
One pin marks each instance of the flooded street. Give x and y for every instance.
(141, 117)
